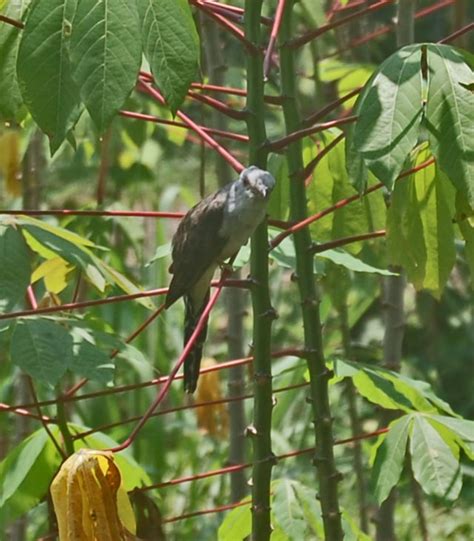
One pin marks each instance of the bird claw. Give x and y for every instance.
(226, 267)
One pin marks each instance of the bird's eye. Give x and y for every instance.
(245, 181)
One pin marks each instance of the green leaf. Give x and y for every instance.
(10, 96)
(390, 457)
(105, 52)
(391, 389)
(420, 234)
(115, 277)
(378, 390)
(295, 510)
(462, 428)
(468, 234)
(171, 46)
(55, 230)
(92, 363)
(161, 251)
(389, 114)
(405, 242)
(434, 465)
(75, 253)
(435, 198)
(237, 520)
(15, 268)
(42, 348)
(44, 70)
(352, 532)
(26, 473)
(450, 116)
(345, 259)
(278, 208)
(284, 255)
(330, 184)
(51, 241)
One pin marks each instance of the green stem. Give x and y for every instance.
(319, 375)
(263, 313)
(63, 427)
(354, 421)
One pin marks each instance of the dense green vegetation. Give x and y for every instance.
(349, 316)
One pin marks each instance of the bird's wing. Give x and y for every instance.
(197, 244)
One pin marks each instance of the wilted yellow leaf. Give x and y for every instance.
(212, 418)
(54, 272)
(10, 162)
(86, 501)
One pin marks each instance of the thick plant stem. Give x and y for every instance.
(234, 297)
(394, 287)
(263, 313)
(319, 375)
(355, 424)
(405, 22)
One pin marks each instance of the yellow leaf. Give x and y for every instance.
(10, 162)
(213, 418)
(54, 272)
(86, 501)
(37, 247)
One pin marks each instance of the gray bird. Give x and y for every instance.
(211, 232)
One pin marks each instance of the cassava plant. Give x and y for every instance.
(110, 112)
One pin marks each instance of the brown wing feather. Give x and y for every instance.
(196, 244)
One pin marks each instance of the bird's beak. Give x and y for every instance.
(263, 191)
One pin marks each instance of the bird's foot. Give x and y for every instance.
(226, 267)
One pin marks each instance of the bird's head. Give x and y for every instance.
(257, 182)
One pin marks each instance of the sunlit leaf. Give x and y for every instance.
(389, 114)
(237, 520)
(390, 457)
(450, 116)
(435, 467)
(54, 272)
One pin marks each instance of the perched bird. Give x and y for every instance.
(211, 232)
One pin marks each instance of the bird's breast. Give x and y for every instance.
(240, 221)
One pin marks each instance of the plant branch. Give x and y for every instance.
(318, 115)
(328, 476)
(342, 203)
(233, 162)
(218, 105)
(321, 247)
(12, 22)
(165, 388)
(305, 38)
(263, 313)
(230, 27)
(158, 120)
(267, 61)
(279, 144)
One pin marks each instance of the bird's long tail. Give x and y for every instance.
(192, 363)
